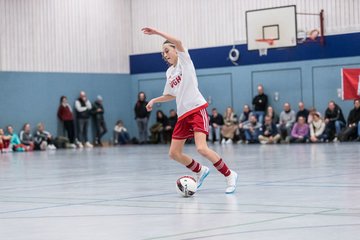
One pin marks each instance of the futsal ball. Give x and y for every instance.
(186, 186)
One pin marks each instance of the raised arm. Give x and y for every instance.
(172, 39)
(164, 98)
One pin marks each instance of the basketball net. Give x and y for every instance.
(265, 43)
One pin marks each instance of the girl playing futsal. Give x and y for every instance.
(182, 85)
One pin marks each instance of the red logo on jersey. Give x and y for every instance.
(176, 81)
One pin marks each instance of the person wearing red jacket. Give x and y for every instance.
(66, 116)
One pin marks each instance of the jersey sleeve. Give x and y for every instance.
(184, 57)
(167, 89)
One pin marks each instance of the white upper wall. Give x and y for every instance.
(207, 23)
(99, 35)
(65, 35)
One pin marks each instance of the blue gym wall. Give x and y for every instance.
(308, 72)
(34, 97)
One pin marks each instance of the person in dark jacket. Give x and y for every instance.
(260, 103)
(142, 117)
(172, 120)
(83, 109)
(100, 124)
(160, 131)
(269, 132)
(303, 112)
(352, 129)
(26, 137)
(334, 120)
(66, 116)
(216, 122)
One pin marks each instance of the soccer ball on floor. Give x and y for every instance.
(186, 186)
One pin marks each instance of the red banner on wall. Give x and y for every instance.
(350, 83)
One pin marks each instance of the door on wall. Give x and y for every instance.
(285, 83)
(217, 90)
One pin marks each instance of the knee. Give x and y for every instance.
(203, 150)
(173, 154)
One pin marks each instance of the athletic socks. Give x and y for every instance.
(194, 166)
(222, 167)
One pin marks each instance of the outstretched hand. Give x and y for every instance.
(149, 31)
(149, 106)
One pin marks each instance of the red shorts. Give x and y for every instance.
(195, 122)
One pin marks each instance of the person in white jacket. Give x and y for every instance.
(83, 107)
(317, 128)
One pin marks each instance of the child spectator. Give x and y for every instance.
(216, 123)
(269, 131)
(4, 141)
(317, 128)
(121, 134)
(43, 139)
(15, 143)
(300, 131)
(66, 116)
(26, 137)
(230, 126)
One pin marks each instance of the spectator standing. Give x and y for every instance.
(260, 103)
(83, 109)
(100, 124)
(142, 117)
(65, 115)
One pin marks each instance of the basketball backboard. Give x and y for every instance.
(271, 25)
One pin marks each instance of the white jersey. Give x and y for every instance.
(182, 83)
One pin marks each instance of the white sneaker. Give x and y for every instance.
(51, 147)
(223, 141)
(200, 176)
(335, 140)
(231, 182)
(79, 145)
(88, 145)
(229, 141)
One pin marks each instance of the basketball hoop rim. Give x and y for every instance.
(269, 41)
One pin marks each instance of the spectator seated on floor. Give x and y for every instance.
(300, 131)
(4, 142)
(243, 120)
(43, 139)
(26, 137)
(286, 122)
(15, 143)
(161, 130)
(317, 128)
(215, 125)
(273, 115)
(311, 113)
(252, 130)
(334, 120)
(229, 128)
(269, 131)
(352, 129)
(121, 135)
